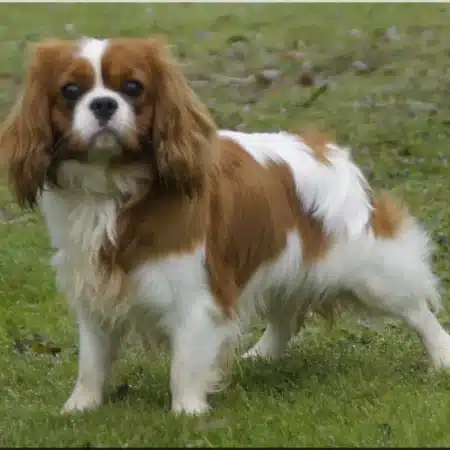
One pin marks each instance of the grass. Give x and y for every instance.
(388, 96)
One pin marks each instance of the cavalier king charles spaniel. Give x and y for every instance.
(163, 223)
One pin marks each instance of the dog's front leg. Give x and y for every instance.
(98, 348)
(197, 343)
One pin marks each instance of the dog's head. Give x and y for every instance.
(109, 103)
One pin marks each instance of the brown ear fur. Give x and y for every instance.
(26, 138)
(183, 131)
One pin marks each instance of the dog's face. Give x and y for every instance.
(105, 102)
(103, 98)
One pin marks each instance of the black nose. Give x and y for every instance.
(103, 107)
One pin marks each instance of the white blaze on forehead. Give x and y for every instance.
(85, 125)
(93, 50)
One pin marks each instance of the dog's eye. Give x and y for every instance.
(132, 88)
(71, 92)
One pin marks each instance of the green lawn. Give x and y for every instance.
(388, 96)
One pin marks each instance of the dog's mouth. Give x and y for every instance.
(105, 147)
(105, 144)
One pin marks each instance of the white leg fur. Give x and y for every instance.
(416, 314)
(271, 345)
(433, 335)
(378, 293)
(281, 327)
(396, 278)
(196, 347)
(98, 350)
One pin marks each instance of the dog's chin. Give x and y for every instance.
(105, 146)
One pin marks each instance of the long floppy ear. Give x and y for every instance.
(183, 131)
(26, 138)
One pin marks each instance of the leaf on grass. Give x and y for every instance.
(306, 78)
(121, 392)
(40, 347)
(37, 344)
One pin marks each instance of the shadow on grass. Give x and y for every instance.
(375, 363)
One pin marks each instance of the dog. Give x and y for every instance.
(161, 220)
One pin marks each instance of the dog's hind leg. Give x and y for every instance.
(283, 322)
(394, 275)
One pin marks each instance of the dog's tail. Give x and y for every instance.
(406, 244)
(387, 269)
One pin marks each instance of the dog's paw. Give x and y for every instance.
(250, 354)
(190, 407)
(81, 400)
(441, 362)
(439, 352)
(257, 352)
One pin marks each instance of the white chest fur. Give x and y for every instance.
(78, 225)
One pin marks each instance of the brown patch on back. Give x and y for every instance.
(317, 141)
(315, 242)
(252, 207)
(388, 216)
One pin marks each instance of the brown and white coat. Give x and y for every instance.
(160, 219)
